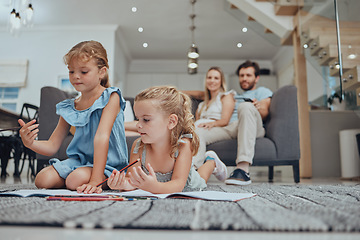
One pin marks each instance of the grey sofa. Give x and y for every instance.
(280, 146)
(48, 120)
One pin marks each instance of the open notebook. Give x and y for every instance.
(205, 195)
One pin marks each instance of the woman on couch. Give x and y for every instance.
(216, 109)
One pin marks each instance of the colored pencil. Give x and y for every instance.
(119, 171)
(85, 198)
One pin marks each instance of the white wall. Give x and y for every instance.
(315, 82)
(121, 61)
(284, 67)
(45, 48)
(146, 73)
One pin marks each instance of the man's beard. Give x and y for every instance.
(251, 85)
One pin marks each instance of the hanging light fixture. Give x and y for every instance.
(28, 15)
(193, 53)
(17, 20)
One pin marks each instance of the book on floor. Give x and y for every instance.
(205, 195)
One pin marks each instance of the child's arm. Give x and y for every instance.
(120, 181)
(140, 179)
(101, 144)
(29, 132)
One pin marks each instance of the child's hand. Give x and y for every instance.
(89, 188)
(139, 179)
(28, 132)
(117, 180)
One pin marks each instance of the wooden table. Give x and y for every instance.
(9, 140)
(8, 119)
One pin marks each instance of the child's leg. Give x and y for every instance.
(217, 166)
(49, 178)
(79, 177)
(206, 169)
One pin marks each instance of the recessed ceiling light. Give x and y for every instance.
(133, 9)
(145, 45)
(306, 46)
(140, 29)
(351, 56)
(244, 29)
(239, 45)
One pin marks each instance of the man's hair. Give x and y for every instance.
(247, 64)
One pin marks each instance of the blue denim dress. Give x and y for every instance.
(81, 149)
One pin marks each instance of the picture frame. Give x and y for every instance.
(65, 84)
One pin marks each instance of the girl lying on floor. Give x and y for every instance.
(165, 149)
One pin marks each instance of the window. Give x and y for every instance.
(9, 97)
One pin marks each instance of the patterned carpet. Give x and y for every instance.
(314, 208)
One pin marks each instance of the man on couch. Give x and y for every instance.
(252, 107)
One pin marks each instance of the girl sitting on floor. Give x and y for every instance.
(99, 144)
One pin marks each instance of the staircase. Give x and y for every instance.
(318, 34)
(309, 27)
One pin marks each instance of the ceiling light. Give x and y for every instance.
(133, 9)
(140, 29)
(28, 15)
(193, 53)
(145, 45)
(23, 17)
(244, 29)
(305, 45)
(239, 45)
(192, 65)
(12, 17)
(17, 21)
(352, 56)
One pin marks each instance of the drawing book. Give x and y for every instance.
(205, 195)
(44, 193)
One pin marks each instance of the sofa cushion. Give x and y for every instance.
(282, 123)
(227, 149)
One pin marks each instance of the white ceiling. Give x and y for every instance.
(166, 26)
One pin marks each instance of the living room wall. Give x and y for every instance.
(146, 73)
(44, 48)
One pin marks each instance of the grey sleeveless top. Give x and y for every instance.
(194, 181)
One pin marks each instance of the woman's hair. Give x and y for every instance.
(171, 101)
(207, 97)
(87, 50)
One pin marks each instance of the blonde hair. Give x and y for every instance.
(172, 101)
(207, 97)
(87, 50)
